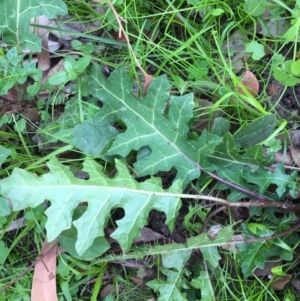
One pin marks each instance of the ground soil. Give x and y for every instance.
(286, 102)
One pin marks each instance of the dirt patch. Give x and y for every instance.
(156, 221)
(285, 101)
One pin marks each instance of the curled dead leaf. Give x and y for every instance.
(250, 82)
(148, 79)
(280, 283)
(43, 33)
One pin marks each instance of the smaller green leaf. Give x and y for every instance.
(76, 44)
(255, 7)
(91, 137)
(220, 126)
(252, 257)
(257, 131)
(4, 153)
(82, 64)
(69, 63)
(72, 75)
(285, 181)
(198, 70)
(34, 89)
(217, 12)
(20, 125)
(109, 298)
(283, 73)
(277, 271)
(4, 251)
(263, 178)
(12, 70)
(224, 234)
(4, 207)
(192, 2)
(256, 228)
(274, 145)
(292, 33)
(280, 243)
(295, 68)
(87, 48)
(170, 289)
(203, 283)
(31, 70)
(176, 259)
(256, 49)
(211, 255)
(68, 238)
(58, 78)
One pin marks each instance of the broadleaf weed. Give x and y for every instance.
(104, 124)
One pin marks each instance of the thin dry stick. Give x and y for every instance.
(255, 203)
(121, 30)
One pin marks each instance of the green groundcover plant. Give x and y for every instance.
(137, 137)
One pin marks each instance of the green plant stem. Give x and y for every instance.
(256, 203)
(80, 101)
(11, 218)
(21, 137)
(49, 156)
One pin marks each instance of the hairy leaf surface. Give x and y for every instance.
(15, 21)
(170, 289)
(102, 194)
(157, 121)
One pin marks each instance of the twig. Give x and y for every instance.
(210, 216)
(121, 30)
(254, 203)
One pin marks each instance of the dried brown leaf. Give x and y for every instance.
(109, 289)
(250, 82)
(267, 269)
(148, 79)
(58, 67)
(280, 283)
(44, 277)
(43, 33)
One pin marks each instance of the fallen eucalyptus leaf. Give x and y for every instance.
(250, 82)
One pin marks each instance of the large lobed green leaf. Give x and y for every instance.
(12, 71)
(15, 20)
(158, 121)
(65, 192)
(157, 127)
